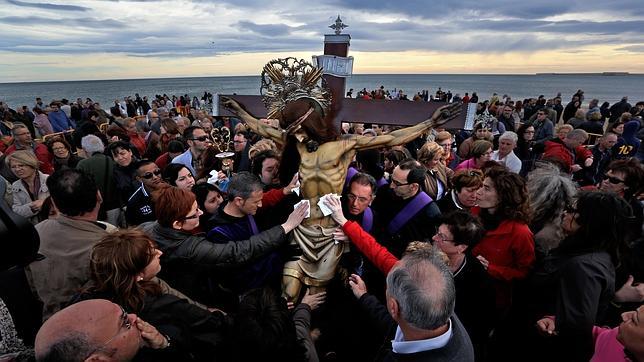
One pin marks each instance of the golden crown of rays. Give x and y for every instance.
(290, 79)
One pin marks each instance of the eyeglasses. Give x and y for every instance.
(125, 322)
(613, 180)
(442, 237)
(149, 175)
(360, 199)
(201, 139)
(196, 215)
(398, 183)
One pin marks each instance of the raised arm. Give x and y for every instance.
(255, 124)
(441, 116)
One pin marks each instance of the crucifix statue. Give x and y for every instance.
(293, 95)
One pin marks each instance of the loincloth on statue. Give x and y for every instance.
(320, 255)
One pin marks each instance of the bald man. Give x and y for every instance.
(95, 330)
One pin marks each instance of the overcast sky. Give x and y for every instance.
(65, 40)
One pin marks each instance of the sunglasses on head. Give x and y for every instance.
(613, 180)
(149, 175)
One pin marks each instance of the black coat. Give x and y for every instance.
(188, 259)
(195, 333)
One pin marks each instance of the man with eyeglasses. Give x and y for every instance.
(140, 207)
(23, 141)
(358, 198)
(198, 142)
(406, 211)
(95, 330)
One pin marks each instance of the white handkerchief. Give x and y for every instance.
(308, 207)
(214, 177)
(326, 211)
(296, 189)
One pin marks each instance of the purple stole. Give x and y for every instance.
(412, 208)
(253, 225)
(350, 173)
(367, 219)
(234, 232)
(382, 182)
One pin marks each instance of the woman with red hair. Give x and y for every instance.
(188, 258)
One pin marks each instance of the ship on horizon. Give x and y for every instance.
(602, 73)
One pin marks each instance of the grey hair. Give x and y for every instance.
(74, 347)
(550, 191)
(578, 134)
(16, 126)
(243, 185)
(509, 135)
(92, 144)
(423, 287)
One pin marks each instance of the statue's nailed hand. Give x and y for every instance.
(446, 113)
(230, 104)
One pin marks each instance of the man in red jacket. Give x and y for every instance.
(23, 141)
(570, 151)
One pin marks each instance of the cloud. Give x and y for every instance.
(48, 6)
(203, 28)
(269, 30)
(639, 48)
(84, 22)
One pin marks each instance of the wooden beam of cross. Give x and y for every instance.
(375, 111)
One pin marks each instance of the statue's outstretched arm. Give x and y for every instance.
(253, 123)
(441, 116)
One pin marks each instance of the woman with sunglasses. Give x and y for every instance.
(124, 267)
(189, 258)
(577, 284)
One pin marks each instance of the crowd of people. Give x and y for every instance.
(156, 232)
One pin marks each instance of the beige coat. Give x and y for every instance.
(66, 245)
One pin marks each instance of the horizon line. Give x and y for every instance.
(607, 73)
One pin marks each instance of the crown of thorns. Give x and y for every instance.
(289, 79)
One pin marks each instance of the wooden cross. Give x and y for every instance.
(375, 111)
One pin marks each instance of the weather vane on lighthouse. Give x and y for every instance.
(338, 26)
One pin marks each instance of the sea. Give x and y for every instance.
(609, 88)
